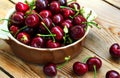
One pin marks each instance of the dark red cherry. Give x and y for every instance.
(67, 12)
(50, 69)
(58, 31)
(112, 74)
(63, 2)
(79, 20)
(30, 31)
(23, 37)
(115, 50)
(38, 42)
(94, 61)
(47, 22)
(69, 20)
(17, 18)
(45, 14)
(80, 68)
(32, 20)
(14, 29)
(67, 24)
(77, 32)
(72, 5)
(51, 44)
(21, 7)
(41, 5)
(55, 7)
(58, 19)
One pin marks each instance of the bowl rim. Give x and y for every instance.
(43, 49)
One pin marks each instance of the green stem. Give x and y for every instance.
(76, 14)
(95, 72)
(71, 1)
(48, 30)
(67, 7)
(46, 35)
(20, 30)
(4, 19)
(85, 60)
(66, 61)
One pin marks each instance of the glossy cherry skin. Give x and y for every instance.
(115, 50)
(67, 24)
(112, 74)
(80, 68)
(67, 12)
(14, 29)
(58, 19)
(69, 20)
(47, 22)
(58, 31)
(41, 5)
(17, 18)
(51, 44)
(94, 61)
(63, 2)
(79, 20)
(55, 7)
(74, 4)
(38, 42)
(23, 37)
(32, 20)
(77, 32)
(21, 7)
(45, 14)
(50, 69)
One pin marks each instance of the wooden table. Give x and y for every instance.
(97, 43)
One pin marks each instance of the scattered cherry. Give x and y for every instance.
(21, 7)
(94, 61)
(115, 50)
(23, 37)
(80, 68)
(50, 69)
(112, 74)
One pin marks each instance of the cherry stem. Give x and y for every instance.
(95, 72)
(20, 30)
(67, 7)
(85, 60)
(4, 19)
(71, 1)
(48, 30)
(12, 2)
(46, 35)
(66, 61)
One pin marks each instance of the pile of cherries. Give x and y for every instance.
(47, 23)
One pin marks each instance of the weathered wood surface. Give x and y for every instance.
(97, 44)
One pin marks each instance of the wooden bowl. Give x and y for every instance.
(41, 55)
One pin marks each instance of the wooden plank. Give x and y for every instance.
(115, 3)
(3, 75)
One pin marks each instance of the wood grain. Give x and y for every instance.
(114, 3)
(97, 44)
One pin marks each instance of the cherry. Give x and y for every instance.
(77, 32)
(32, 20)
(47, 22)
(66, 23)
(80, 68)
(23, 37)
(58, 31)
(69, 20)
(45, 14)
(72, 5)
(38, 42)
(79, 20)
(94, 61)
(52, 44)
(115, 50)
(67, 12)
(63, 2)
(55, 7)
(17, 18)
(41, 5)
(14, 29)
(21, 7)
(112, 74)
(58, 19)
(50, 69)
